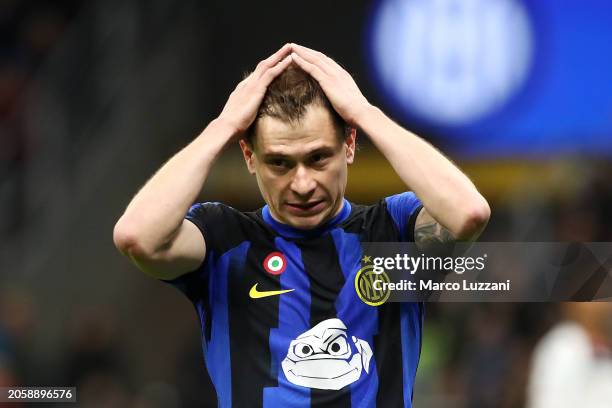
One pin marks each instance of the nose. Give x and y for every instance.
(303, 184)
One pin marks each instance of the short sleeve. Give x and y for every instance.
(223, 227)
(193, 284)
(205, 216)
(404, 208)
(210, 218)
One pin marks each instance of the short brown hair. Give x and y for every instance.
(287, 98)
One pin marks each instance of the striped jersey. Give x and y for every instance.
(282, 324)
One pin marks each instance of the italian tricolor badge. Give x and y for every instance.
(275, 263)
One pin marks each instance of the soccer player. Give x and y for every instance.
(282, 325)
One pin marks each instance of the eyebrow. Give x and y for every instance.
(335, 333)
(318, 150)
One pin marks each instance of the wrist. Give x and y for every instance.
(365, 115)
(224, 126)
(215, 138)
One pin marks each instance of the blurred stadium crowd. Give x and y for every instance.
(80, 85)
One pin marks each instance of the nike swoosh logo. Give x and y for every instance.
(256, 294)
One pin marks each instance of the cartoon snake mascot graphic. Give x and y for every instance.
(325, 358)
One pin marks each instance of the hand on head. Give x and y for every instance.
(338, 85)
(241, 107)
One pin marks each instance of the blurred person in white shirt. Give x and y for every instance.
(572, 364)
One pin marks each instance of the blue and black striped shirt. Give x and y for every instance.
(282, 325)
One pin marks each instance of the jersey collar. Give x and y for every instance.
(292, 232)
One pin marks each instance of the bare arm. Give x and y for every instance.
(454, 209)
(449, 197)
(152, 232)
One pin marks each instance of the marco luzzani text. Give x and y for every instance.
(413, 264)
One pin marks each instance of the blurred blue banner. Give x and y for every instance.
(494, 78)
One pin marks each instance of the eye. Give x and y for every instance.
(278, 163)
(318, 159)
(338, 347)
(302, 350)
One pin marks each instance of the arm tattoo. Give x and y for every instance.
(430, 236)
(432, 233)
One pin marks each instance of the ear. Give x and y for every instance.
(351, 143)
(248, 153)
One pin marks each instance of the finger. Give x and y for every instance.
(314, 57)
(242, 83)
(314, 70)
(331, 63)
(273, 72)
(272, 60)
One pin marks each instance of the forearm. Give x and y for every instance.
(157, 210)
(448, 194)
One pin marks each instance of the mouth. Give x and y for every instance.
(329, 377)
(308, 208)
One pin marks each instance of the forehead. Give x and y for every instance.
(316, 129)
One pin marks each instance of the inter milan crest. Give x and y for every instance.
(275, 263)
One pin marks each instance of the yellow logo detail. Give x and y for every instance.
(368, 292)
(256, 294)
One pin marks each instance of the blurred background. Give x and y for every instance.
(95, 96)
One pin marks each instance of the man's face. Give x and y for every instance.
(301, 168)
